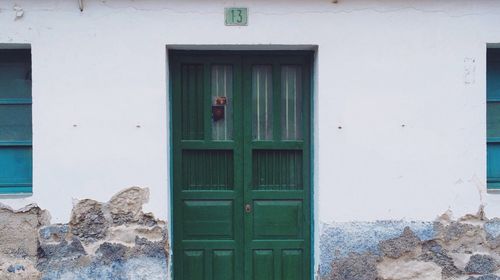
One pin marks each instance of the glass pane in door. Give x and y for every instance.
(222, 99)
(291, 103)
(262, 102)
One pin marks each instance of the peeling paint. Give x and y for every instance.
(19, 12)
(339, 239)
(112, 240)
(401, 250)
(117, 240)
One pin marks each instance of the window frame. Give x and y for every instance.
(25, 187)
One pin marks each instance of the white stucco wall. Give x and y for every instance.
(101, 73)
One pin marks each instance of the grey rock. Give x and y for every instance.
(355, 267)
(11, 269)
(15, 268)
(126, 206)
(63, 249)
(147, 248)
(57, 251)
(493, 242)
(396, 247)
(492, 227)
(88, 221)
(488, 277)
(60, 254)
(481, 264)
(485, 277)
(134, 268)
(112, 252)
(19, 230)
(19, 267)
(123, 218)
(432, 251)
(53, 233)
(456, 230)
(147, 219)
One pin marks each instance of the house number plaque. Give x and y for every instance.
(236, 16)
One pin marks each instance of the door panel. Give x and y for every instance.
(223, 265)
(291, 266)
(263, 265)
(208, 219)
(241, 165)
(207, 179)
(277, 219)
(276, 167)
(193, 264)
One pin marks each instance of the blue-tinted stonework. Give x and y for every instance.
(116, 240)
(338, 240)
(131, 269)
(467, 248)
(113, 240)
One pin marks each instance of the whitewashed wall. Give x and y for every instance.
(404, 79)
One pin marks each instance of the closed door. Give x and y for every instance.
(241, 165)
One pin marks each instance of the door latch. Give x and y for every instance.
(248, 208)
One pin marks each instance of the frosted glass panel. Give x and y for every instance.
(291, 103)
(222, 88)
(262, 102)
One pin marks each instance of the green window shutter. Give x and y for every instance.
(15, 122)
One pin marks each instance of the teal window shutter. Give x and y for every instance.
(15, 122)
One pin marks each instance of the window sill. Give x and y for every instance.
(15, 195)
(493, 191)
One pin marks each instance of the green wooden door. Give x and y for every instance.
(241, 165)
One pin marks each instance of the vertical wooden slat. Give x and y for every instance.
(277, 169)
(276, 104)
(207, 170)
(192, 106)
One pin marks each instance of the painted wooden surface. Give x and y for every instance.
(493, 118)
(241, 184)
(15, 122)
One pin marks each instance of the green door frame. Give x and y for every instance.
(310, 138)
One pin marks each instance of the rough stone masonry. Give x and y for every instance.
(468, 249)
(113, 240)
(116, 240)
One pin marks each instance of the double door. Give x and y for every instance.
(241, 165)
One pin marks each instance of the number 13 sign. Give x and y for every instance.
(236, 16)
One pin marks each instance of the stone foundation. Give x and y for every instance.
(113, 240)
(116, 240)
(468, 248)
